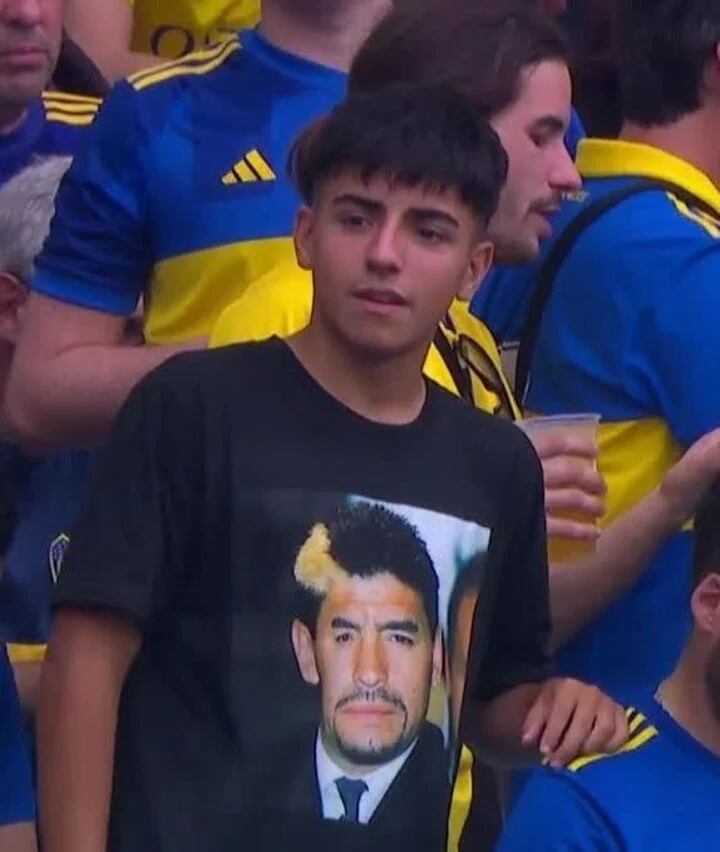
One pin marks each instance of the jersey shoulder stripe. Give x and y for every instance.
(708, 223)
(70, 109)
(195, 64)
(641, 733)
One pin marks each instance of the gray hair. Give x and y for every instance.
(27, 203)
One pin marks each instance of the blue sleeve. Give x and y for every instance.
(17, 801)
(683, 347)
(554, 815)
(96, 255)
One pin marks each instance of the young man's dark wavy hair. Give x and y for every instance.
(479, 47)
(427, 136)
(663, 51)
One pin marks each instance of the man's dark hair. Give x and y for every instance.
(425, 136)
(467, 582)
(479, 48)
(663, 50)
(707, 536)
(367, 540)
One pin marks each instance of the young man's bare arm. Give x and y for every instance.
(90, 654)
(18, 838)
(72, 373)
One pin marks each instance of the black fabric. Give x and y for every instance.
(218, 468)
(563, 246)
(75, 72)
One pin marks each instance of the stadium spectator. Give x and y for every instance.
(35, 122)
(17, 799)
(669, 768)
(628, 325)
(124, 36)
(189, 616)
(180, 194)
(43, 495)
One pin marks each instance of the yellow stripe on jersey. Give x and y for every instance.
(203, 55)
(26, 653)
(712, 226)
(634, 456)
(260, 165)
(190, 292)
(461, 801)
(643, 733)
(71, 108)
(201, 62)
(69, 98)
(66, 118)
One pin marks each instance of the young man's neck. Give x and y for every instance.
(686, 697)
(691, 138)
(329, 33)
(388, 391)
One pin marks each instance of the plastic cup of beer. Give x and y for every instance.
(583, 425)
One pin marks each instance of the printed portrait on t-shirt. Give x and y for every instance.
(383, 607)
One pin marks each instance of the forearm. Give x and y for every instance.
(71, 400)
(18, 838)
(494, 729)
(88, 660)
(580, 591)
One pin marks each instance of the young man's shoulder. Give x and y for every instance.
(481, 432)
(234, 369)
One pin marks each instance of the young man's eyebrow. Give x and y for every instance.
(370, 205)
(550, 124)
(428, 214)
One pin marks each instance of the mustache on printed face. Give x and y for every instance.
(372, 696)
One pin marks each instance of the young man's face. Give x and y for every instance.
(532, 132)
(30, 34)
(375, 660)
(387, 261)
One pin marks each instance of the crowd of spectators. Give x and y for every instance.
(301, 302)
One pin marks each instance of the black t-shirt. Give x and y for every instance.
(307, 583)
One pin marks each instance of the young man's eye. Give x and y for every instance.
(353, 220)
(432, 235)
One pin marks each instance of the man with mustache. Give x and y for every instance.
(34, 122)
(371, 643)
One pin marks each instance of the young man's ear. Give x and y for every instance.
(481, 260)
(13, 294)
(304, 222)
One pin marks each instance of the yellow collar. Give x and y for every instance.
(600, 158)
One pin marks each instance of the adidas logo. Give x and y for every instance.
(252, 168)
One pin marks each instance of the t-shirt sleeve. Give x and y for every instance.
(554, 815)
(17, 801)
(518, 629)
(134, 538)
(96, 255)
(682, 345)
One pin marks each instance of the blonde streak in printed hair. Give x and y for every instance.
(315, 568)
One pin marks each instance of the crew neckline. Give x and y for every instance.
(340, 409)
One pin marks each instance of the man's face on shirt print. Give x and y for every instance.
(375, 659)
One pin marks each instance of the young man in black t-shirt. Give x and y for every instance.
(249, 648)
